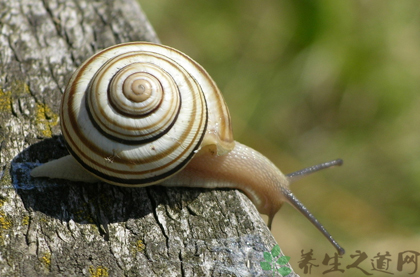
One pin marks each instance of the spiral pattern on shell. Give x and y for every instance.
(136, 113)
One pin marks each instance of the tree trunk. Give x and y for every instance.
(59, 228)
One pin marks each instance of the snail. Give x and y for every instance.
(138, 114)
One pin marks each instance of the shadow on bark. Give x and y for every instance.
(86, 203)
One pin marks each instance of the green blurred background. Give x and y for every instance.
(310, 81)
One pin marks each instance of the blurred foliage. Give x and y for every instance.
(309, 81)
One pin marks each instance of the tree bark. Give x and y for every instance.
(59, 228)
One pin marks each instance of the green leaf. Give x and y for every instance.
(268, 257)
(275, 251)
(283, 260)
(284, 270)
(265, 265)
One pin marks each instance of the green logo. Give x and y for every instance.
(276, 265)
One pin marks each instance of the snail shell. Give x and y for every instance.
(135, 114)
(138, 114)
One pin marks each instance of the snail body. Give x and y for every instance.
(138, 114)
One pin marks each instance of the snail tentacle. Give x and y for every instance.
(295, 203)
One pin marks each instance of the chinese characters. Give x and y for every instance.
(406, 261)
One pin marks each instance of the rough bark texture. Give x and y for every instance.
(58, 228)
